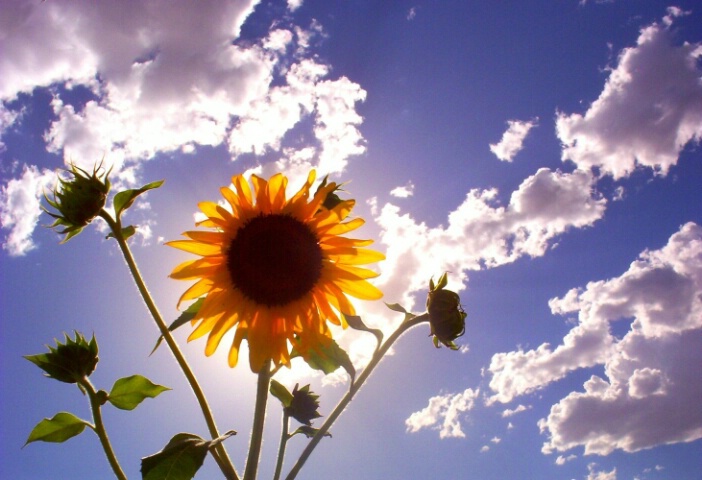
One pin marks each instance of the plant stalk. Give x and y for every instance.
(283, 443)
(99, 428)
(264, 379)
(219, 453)
(379, 354)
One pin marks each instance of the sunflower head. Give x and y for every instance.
(274, 269)
(446, 316)
(70, 361)
(78, 200)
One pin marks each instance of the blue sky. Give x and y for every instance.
(546, 154)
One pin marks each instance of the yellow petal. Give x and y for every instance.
(202, 267)
(240, 334)
(353, 256)
(342, 228)
(205, 236)
(191, 246)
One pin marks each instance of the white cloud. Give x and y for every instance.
(650, 108)
(601, 475)
(168, 76)
(510, 412)
(20, 207)
(404, 191)
(444, 413)
(480, 233)
(648, 371)
(513, 139)
(562, 460)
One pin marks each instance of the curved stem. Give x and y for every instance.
(220, 454)
(379, 354)
(283, 443)
(264, 378)
(99, 428)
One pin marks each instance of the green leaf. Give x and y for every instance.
(123, 200)
(332, 357)
(356, 323)
(399, 308)
(180, 459)
(396, 307)
(184, 318)
(307, 431)
(128, 392)
(279, 391)
(58, 429)
(126, 232)
(443, 281)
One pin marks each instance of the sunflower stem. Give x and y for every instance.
(264, 379)
(99, 428)
(283, 443)
(219, 452)
(346, 399)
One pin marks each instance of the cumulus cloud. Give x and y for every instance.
(481, 234)
(649, 109)
(443, 413)
(648, 374)
(513, 139)
(160, 76)
(20, 208)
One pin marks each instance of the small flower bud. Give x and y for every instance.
(68, 362)
(332, 199)
(304, 405)
(446, 316)
(79, 200)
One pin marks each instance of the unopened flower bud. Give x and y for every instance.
(68, 362)
(304, 405)
(446, 316)
(79, 200)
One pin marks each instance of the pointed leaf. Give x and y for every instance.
(279, 391)
(443, 281)
(332, 357)
(396, 307)
(184, 318)
(129, 392)
(126, 232)
(308, 431)
(180, 459)
(356, 323)
(58, 429)
(123, 200)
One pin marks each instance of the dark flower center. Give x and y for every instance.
(274, 259)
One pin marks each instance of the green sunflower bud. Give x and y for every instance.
(332, 199)
(79, 200)
(303, 406)
(68, 362)
(446, 316)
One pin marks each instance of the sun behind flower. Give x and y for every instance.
(275, 269)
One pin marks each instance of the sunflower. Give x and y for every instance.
(275, 269)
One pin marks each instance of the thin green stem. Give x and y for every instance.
(99, 428)
(264, 379)
(219, 453)
(283, 443)
(346, 399)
